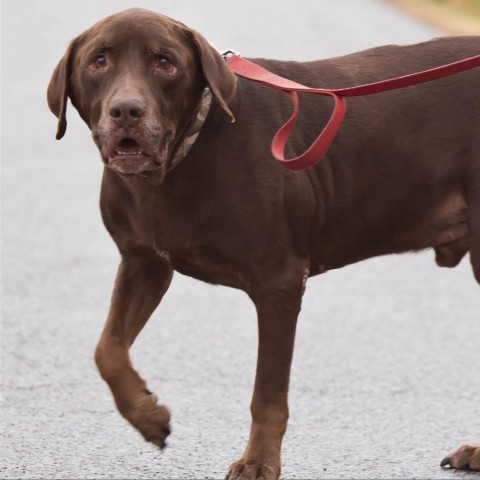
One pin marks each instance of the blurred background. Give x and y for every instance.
(459, 17)
(385, 377)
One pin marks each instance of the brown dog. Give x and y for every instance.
(403, 174)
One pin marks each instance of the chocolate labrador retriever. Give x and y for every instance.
(190, 185)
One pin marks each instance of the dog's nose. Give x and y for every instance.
(126, 112)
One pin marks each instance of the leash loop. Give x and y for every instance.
(321, 144)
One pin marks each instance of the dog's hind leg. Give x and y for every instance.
(472, 189)
(467, 457)
(142, 280)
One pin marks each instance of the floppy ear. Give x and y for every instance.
(58, 90)
(221, 80)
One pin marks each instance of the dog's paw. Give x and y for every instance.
(467, 457)
(241, 470)
(151, 420)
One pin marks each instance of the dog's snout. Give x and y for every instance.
(126, 112)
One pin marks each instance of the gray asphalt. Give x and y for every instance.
(385, 378)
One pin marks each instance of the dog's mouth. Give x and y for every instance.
(129, 146)
(129, 156)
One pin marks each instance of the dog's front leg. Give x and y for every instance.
(142, 280)
(278, 303)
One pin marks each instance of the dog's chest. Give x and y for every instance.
(198, 243)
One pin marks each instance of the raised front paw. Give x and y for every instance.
(467, 457)
(150, 419)
(253, 470)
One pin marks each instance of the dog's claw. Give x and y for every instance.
(462, 464)
(446, 461)
(158, 442)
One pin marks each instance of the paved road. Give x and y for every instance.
(385, 378)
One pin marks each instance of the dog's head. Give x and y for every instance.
(137, 79)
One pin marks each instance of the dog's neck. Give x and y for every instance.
(193, 130)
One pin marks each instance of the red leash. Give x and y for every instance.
(319, 147)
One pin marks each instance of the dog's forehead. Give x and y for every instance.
(135, 25)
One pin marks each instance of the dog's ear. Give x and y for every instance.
(58, 91)
(221, 80)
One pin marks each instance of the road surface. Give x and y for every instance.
(385, 378)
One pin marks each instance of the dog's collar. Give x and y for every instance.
(193, 130)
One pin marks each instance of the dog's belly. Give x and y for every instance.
(444, 225)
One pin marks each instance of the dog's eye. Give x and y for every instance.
(100, 61)
(164, 63)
